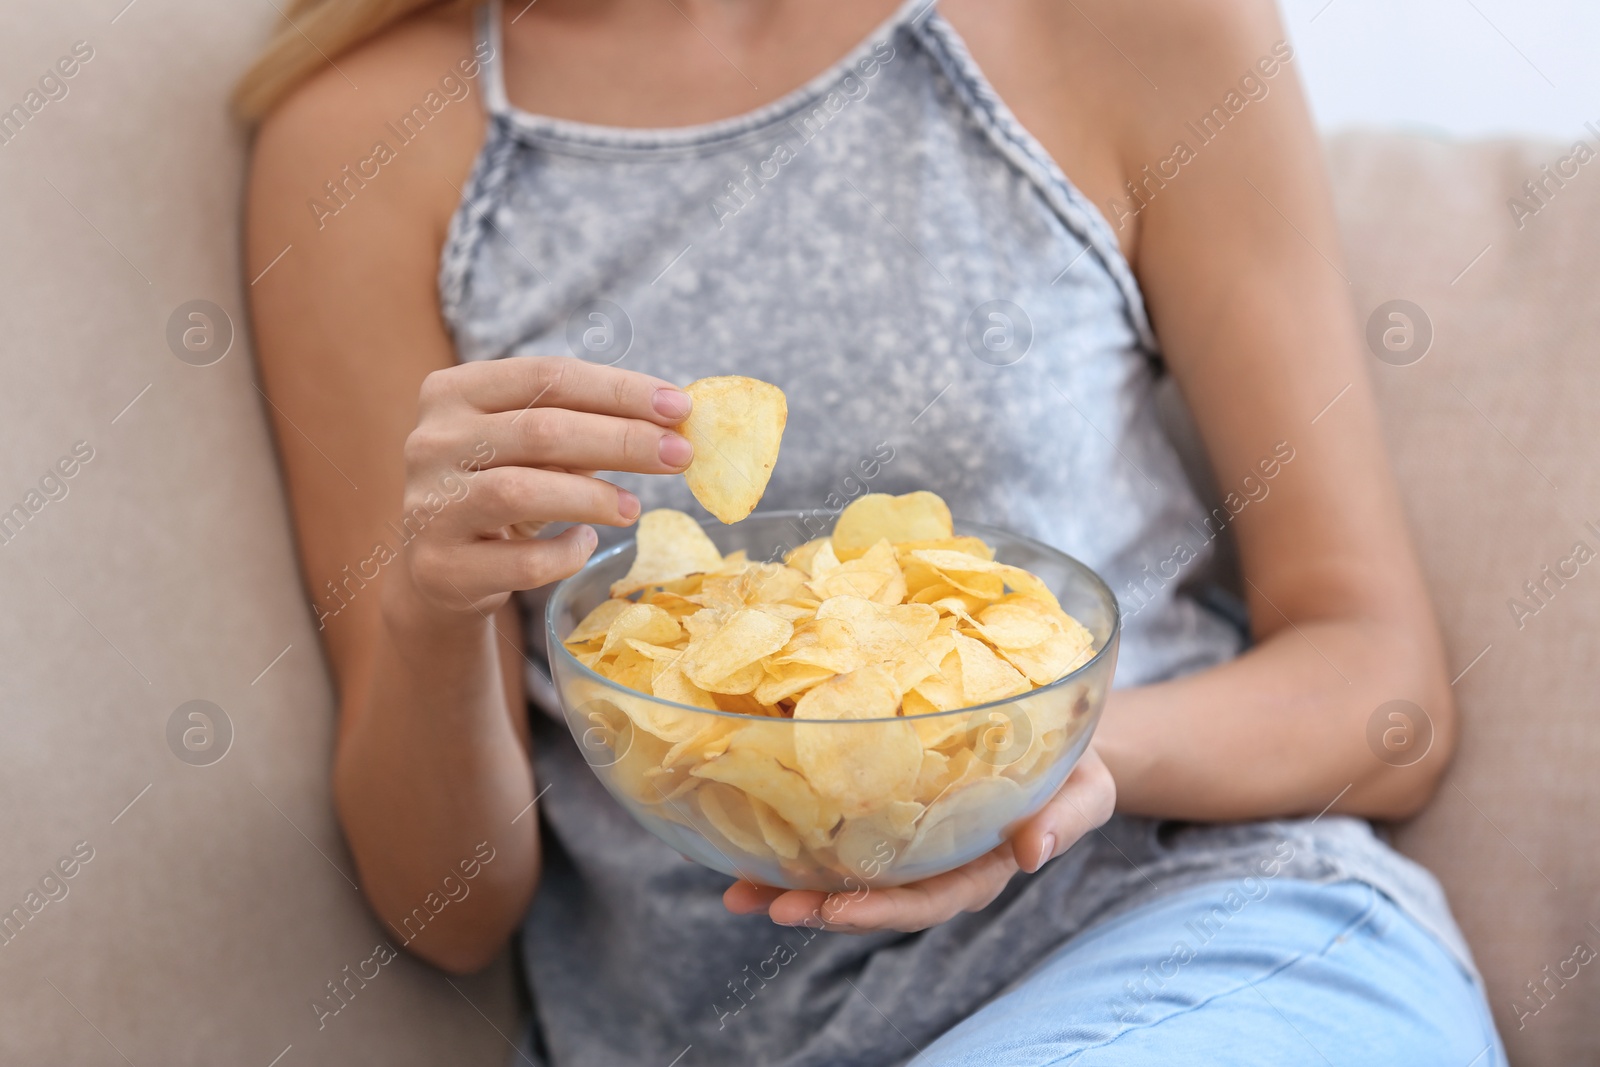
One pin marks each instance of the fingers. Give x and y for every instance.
(919, 905)
(746, 898)
(528, 382)
(502, 496)
(511, 444)
(467, 573)
(1084, 802)
(582, 440)
(906, 908)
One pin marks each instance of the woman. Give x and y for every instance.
(868, 204)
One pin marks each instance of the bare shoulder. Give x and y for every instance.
(387, 130)
(1154, 46)
(1107, 85)
(1188, 53)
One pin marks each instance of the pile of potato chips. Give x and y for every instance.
(837, 663)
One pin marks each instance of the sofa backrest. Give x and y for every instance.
(1495, 433)
(1492, 416)
(211, 901)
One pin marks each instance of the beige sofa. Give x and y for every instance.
(210, 902)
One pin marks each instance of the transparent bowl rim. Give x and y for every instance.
(554, 646)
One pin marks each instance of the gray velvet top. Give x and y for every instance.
(945, 311)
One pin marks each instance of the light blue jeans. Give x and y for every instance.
(1317, 974)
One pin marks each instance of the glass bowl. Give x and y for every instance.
(643, 748)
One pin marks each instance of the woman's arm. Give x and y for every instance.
(1238, 255)
(428, 762)
(405, 471)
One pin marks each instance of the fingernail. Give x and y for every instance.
(1047, 850)
(672, 403)
(587, 539)
(627, 505)
(675, 451)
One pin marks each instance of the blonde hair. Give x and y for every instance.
(290, 57)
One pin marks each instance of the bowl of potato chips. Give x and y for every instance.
(871, 707)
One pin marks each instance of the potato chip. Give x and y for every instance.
(741, 703)
(736, 427)
(972, 546)
(881, 517)
(826, 643)
(793, 613)
(800, 556)
(1002, 736)
(916, 662)
(785, 791)
(1020, 623)
(875, 575)
(743, 680)
(767, 739)
(773, 583)
(645, 622)
(779, 836)
(985, 676)
(710, 740)
(951, 561)
(1028, 584)
(1043, 745)
(921, 577)
(675, 604)
(670, 545)
(598, 622)
(962, 810)
(670, 683)
(880, 632)
(655, 653)
(734, 562)
(959, 604)
(628, 669)
(705, 621)
(933, 776)
(688, 585)
(793, 679)
(1056, 656)
(985, 587)
(729, 812)
(859, 766)
(938, 731)
(867, 845)
(823, 560)
(637, 769)
(748, 635)
(944, 690)
(978, 576)
(722, 593)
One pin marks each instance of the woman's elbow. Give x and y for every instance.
(460, 957)
(1411, 746)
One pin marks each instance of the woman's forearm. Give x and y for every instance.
(1282, 730)
(430, 777)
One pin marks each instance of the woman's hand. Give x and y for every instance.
(514, 443)
(1084, 802)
